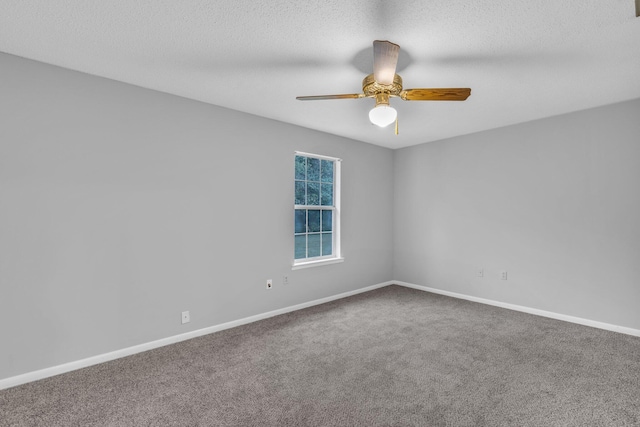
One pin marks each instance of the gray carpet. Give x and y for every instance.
(390, 357)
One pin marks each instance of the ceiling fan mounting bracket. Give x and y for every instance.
(371, 88)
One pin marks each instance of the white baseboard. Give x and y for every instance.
(529, 310)
(101, 358)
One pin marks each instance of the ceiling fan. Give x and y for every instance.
(384, 83)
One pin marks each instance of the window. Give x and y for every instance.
(316, 210)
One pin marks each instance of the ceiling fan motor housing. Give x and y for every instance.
(371, 87)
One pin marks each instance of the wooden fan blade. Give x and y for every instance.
(385, 59)
(440, 94)
(318, 97)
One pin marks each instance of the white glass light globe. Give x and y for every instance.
(383, 115)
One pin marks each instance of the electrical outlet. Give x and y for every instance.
(503, 275)
(186, 318)
(480, 272)
(285, 280)
(269, 284)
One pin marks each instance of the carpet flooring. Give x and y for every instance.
(390, 357)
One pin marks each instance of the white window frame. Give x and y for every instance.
(336, 255)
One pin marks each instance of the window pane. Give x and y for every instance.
(327, 194)
(313, 248)
(313, 193)
(301, 246)
(300, 193)
(314, 221)
(315, 196)
(327, 220)
(313, 169)
(301, 221)
(327, 246)
(327, 171)
(301, 167)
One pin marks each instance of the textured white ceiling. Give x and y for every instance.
(523, 59)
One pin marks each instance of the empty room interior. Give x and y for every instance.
(320, 213)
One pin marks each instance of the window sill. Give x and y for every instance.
(318, 263)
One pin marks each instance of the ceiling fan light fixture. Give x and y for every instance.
(384, 83)
(383, 115)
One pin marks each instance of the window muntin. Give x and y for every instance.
(316, 213)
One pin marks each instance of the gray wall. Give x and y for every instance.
(555, 202)
(120, 207)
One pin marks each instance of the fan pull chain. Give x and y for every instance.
(396, 125)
